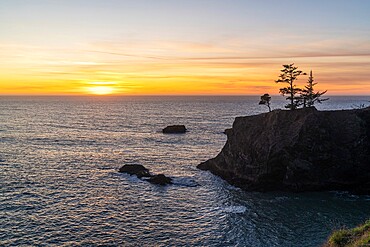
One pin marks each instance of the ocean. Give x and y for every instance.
(59, 184)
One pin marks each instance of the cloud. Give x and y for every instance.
(227, 65)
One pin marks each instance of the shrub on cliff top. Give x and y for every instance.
(265, 100)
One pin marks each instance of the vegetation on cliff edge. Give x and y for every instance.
(297, 97)
(356, 237)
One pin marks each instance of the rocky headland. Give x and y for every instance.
(300, 150)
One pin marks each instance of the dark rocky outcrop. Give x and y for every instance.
(301, 150)
(138, 170)
(174, 129)
(141, 172)
(160, 179)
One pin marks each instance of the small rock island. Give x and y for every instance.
(300, 150)
(174, 129)
(143, 173)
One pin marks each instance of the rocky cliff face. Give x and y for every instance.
(301, 150)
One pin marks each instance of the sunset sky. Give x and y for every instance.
(202, 47)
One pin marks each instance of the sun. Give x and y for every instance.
(100, 90)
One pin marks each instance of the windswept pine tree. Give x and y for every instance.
(288, 75)
(265, 100)
(309, 96)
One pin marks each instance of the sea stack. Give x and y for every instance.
(174, 129)
(300, 150)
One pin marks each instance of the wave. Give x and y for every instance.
(184, 181)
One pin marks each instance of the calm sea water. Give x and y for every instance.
(59, 184)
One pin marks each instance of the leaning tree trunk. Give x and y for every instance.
(291, 96)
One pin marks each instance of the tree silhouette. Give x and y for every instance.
(265, 100)
(309, 96)
(289, 75)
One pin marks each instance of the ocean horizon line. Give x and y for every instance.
(164, 95)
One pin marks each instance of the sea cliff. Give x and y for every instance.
(300, 150)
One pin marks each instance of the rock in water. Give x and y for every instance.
(174, 129)
(142, 172)
(301, 150)
(138, 170)
(160, 179)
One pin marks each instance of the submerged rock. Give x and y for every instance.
(174, 129)
(138, 170)
(301, 150)
(160, 179)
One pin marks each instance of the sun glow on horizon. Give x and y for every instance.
(100, 90)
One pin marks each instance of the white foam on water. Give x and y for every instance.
(233, 209)
(183, 181)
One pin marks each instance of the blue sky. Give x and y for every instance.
(178, 19)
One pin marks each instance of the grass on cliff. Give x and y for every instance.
(356, 237)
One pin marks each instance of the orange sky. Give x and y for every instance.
(45, 51)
